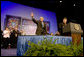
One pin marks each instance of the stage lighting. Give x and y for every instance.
(74, 5)
(60, 1)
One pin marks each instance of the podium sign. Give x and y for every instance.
(75, 31)
(73, 28)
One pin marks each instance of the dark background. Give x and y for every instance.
(62, 9)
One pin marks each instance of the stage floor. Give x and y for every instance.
(8, 52)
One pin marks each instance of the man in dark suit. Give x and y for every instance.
(61, 26)
(41, 26)
(14, 37)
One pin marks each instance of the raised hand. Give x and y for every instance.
(32, 14)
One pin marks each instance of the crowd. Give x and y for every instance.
(9, 38)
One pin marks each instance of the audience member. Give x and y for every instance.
(6, 38)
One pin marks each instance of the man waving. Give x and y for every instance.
(41, 26)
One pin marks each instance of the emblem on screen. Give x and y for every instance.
(76, 27)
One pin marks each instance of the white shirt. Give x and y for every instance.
(6, 34)
(42, 24)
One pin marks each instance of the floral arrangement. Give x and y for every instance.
(47, 48)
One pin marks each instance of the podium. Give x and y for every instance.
(75, 31)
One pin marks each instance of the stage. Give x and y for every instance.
(55, 18)
(22, 44)
(8, 52)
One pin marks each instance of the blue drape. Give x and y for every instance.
(22, 43)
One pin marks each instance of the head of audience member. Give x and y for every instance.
(64, 20)
(51, 34)
(21, 31)
(12, 29)
(41, 19)
(16, 29)
(57, 33)
(7, 28)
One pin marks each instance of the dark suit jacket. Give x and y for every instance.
(40, 30)
(13, 37)
(15, 32)
(60, 28)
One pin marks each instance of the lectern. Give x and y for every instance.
(75, 31)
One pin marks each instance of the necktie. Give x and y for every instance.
(42, 24)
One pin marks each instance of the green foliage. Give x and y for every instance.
(47, 48)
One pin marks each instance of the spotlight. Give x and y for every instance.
(74, 5)
(60, 1)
